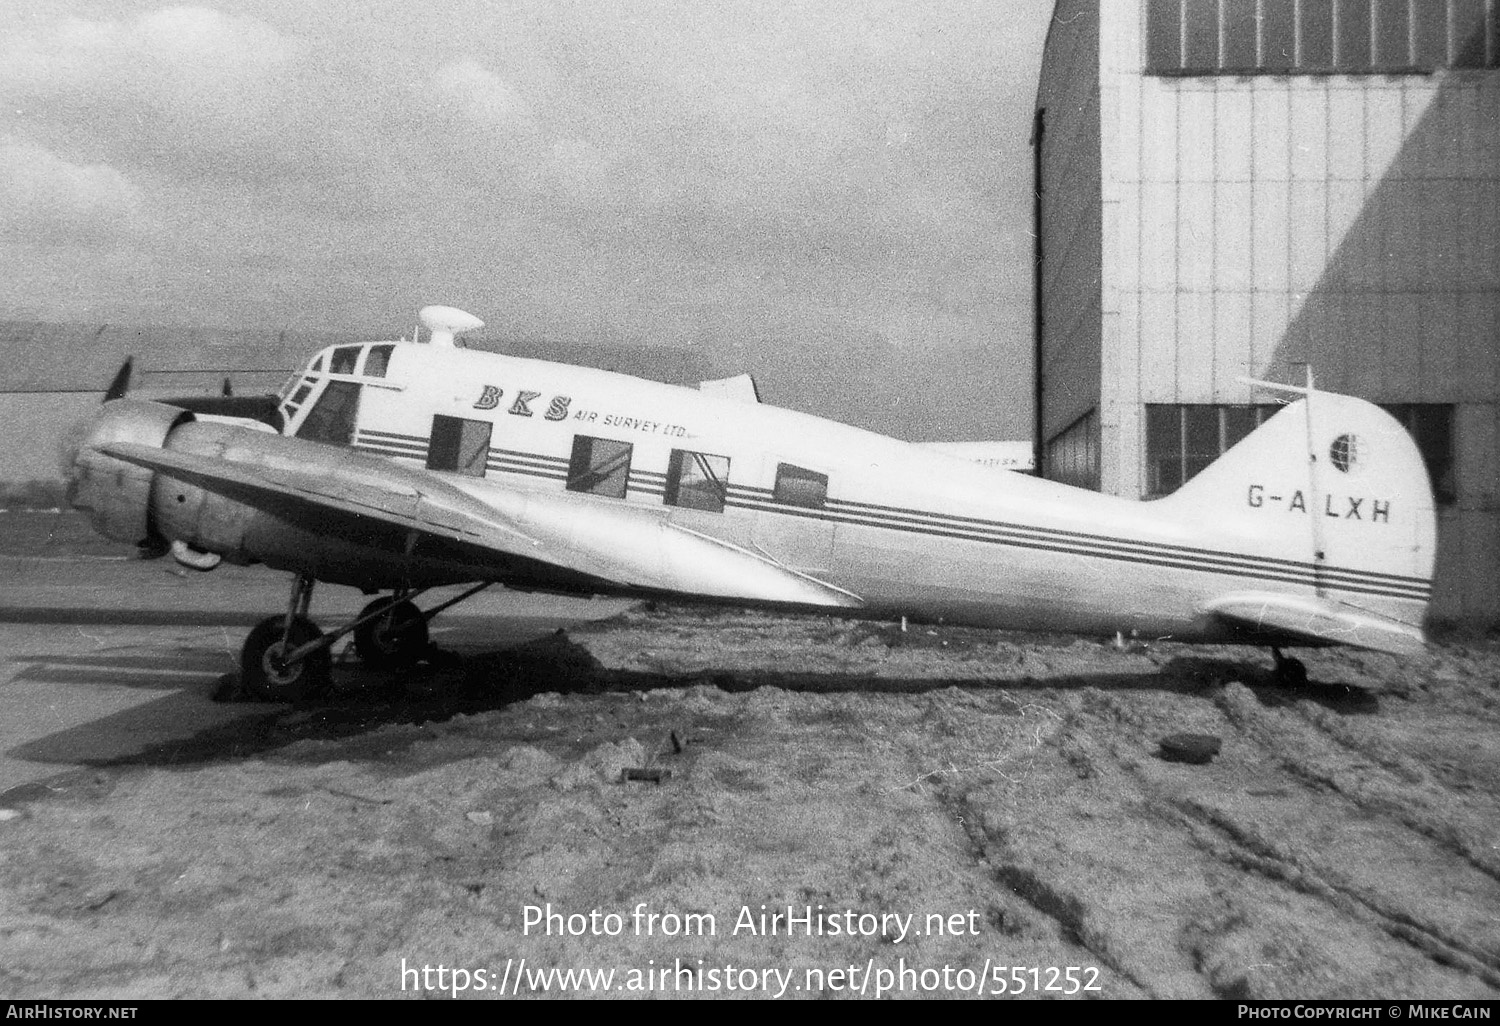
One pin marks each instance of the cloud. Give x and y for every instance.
(50, 200)
(175, 58)
(667, 171)
(489, 130)
(482, 95)
(182, 92)
(196, 104)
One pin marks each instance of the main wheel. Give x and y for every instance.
(1289, 672)
(1292, 673)
(393, 640)
(264, 674)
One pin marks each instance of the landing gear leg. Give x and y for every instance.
(1289, 672)
(268, 673)
(287, 658)
(391, 633)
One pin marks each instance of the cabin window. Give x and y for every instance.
(345, 359)
(332, 417)
(696, 480)
(600, 466)
(377, 361)
(797, 486)
(459, 445)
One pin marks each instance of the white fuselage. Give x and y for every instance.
(899, 529)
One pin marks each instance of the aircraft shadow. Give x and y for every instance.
(92, 617)
(364, 700)
(1335, 696)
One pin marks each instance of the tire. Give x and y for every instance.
(1292, 674)
(265, 680)
(393, 641)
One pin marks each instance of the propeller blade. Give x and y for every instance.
(227, 389)
(121, 383)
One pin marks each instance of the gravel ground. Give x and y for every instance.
(930, 812)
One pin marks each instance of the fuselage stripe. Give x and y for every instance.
(392, 436)
(388, 449)
(1144, 547)
(1292, 575)
(944, 525)
(561, 461)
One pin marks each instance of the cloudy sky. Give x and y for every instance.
(627, 172)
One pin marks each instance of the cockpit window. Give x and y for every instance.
(317, 367)
(377, 361)
(333, 416)
(345, 358)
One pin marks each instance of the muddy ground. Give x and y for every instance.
(1007, 793)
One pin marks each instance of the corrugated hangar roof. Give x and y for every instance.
(83, 358)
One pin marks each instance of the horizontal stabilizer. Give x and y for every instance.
(1310, 620)
(1010, 455)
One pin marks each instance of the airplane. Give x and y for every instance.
(406, 465)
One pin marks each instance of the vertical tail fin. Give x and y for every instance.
(1335, 488)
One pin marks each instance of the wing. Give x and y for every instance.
(630, 546)
(1311, 620)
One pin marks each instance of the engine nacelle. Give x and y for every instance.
(115, 494)
(202, 522)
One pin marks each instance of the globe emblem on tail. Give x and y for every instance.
(1344, 451)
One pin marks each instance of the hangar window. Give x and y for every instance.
(1431, 427)
(1183, 439)
(600, 466)
(459, 445)
(1073, 454)
(797, 486)
(332, 417)
(696, 480)
(1318, 37)
(345, 358)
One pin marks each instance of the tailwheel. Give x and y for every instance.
(266, 675)
(394, 635)
(1289, 672)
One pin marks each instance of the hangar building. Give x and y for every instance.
(1241, 188)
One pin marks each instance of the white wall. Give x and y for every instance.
(1252, 224)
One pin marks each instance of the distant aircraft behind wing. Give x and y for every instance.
(406, 465)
